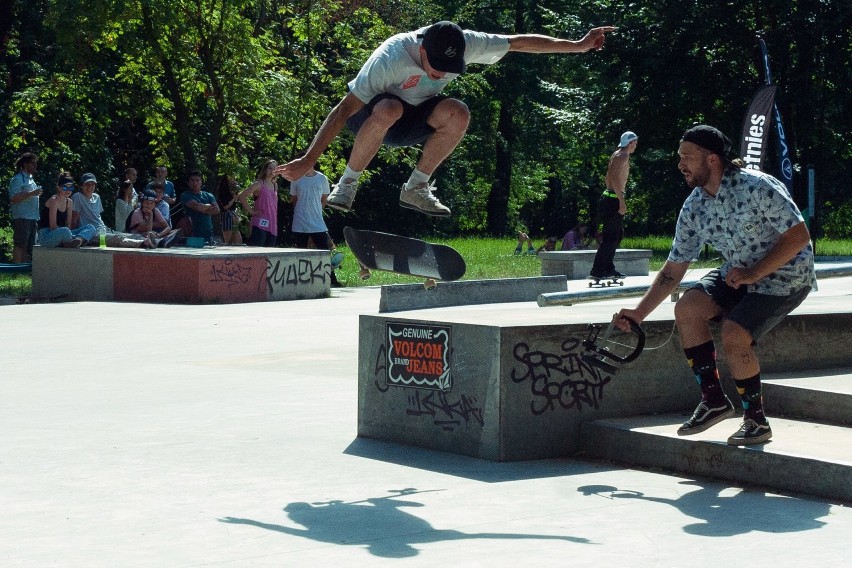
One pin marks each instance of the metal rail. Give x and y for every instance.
(551, 299)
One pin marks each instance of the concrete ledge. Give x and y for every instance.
(802, 457)
(817, 396)
(577, 264)
(181, 275)
(399, 297)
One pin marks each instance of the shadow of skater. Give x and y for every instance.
(377, 523)
(741, 513)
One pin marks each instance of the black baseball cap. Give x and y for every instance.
(444, 44)
(710, 139)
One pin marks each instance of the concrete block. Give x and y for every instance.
(518, 392)
(577, 264)
(77, 274)
(400, 297)
(181, 275)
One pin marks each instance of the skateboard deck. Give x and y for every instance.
(404, 255)
(605, 282)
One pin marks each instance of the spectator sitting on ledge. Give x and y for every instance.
(56, 218)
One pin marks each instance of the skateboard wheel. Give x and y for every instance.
(364, 273)
(430, 284)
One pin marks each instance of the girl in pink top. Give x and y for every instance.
(264, 209)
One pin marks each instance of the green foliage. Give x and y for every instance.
(836, 221)
(94, 85)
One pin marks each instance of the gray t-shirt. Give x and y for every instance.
(742, 222)
(394, 67)
(90, 210)
(307, 215)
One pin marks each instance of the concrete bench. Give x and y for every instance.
(576, 264)
(209, 275)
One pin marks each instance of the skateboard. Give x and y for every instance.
(605, 282)
(404, 255)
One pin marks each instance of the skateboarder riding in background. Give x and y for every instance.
(752, 222)
(395, 100)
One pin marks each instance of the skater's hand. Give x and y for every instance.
(621, 321)
(293, 170)
(737, 277)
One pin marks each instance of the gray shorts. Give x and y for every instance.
(757, 313)
(412, 127)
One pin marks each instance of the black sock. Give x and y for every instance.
(702, 360)
(749, 391)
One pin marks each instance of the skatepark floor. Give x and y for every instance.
(138, 435)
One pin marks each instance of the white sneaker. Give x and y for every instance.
(420, 198)
(342, 195)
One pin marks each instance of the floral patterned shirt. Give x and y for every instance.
(743, 222)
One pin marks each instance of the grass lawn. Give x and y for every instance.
(485, 257)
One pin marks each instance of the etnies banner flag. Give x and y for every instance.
(785, 163)
(755, 131)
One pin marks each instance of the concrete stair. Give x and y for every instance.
(810, 451)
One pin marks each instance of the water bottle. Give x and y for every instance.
(102, 237)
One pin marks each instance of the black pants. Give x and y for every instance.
(611, 236)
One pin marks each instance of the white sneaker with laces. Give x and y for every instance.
(343, 194)
(420, 198)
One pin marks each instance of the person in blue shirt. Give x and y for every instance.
(23, 197)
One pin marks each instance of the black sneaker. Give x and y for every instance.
(706, 415)
(751, 432)
(617, 274)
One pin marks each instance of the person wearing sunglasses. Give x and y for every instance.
(56, 218)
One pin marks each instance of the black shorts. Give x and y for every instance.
(321, 240)
(411, 128)
(757, 313)
(24, 233)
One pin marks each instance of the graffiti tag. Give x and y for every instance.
(230, 273)
(444, 412)
(558, 378)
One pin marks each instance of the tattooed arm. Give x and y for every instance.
(664, 284)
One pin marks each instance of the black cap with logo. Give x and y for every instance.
(444, 45)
